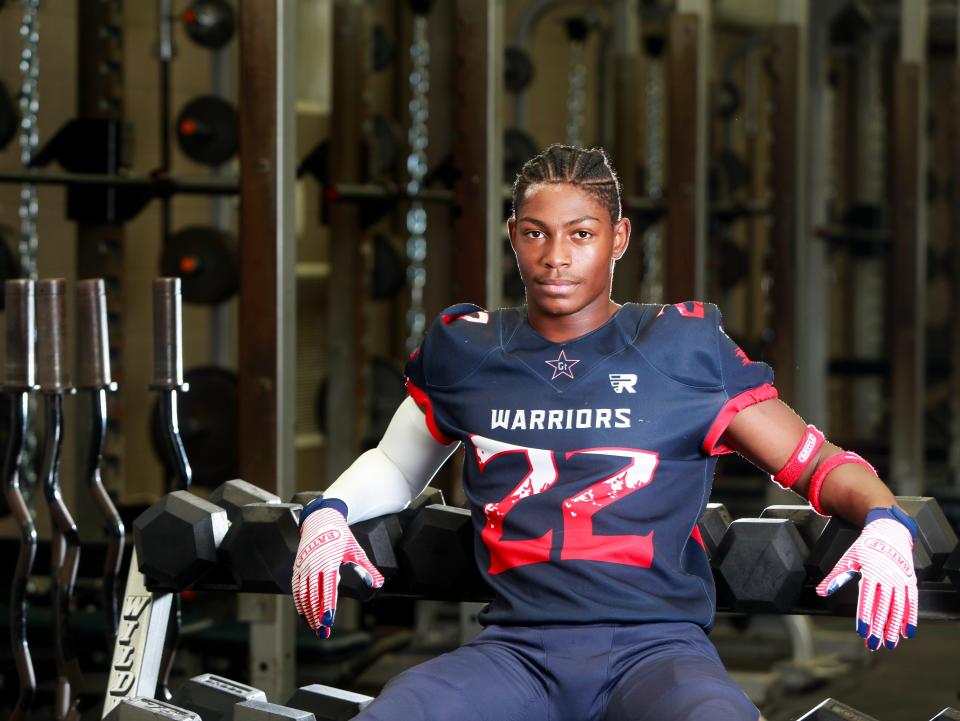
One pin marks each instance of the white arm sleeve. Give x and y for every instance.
(386, 478)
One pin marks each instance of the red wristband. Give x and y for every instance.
(820, 475)
(803, 454)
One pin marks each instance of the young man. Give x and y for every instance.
(591, 432)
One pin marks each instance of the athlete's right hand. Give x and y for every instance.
(325, 542)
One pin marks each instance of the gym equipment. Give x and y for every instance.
(209, 23)
(207, 130)
(207, 425)
(518, 147)
(233, 495)
(266, 711)
(833, 710)
(327, 703)
(378, 537)
(19, 382)
(713, 523)
(384, 144)
(205, 260)
(9, 117)
(9, 263)
(65, 545)
(834, 540)
(809, 523)
(759, 565)
(517, 69)
(436, 552)
(141, 708)
(261, 545)
(934, 532)
(177, 539)
(168, 382)
(213, 697)
(93, 377)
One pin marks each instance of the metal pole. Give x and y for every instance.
(908, 271)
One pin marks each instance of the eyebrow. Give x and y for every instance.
(575, 221)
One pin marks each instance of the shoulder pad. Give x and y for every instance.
(681, 342)
(457, 342)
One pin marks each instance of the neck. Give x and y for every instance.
(562, 328)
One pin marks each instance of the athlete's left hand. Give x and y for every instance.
(883, 558)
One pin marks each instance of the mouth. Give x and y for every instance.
(557, 286)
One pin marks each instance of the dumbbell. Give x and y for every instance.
(327, 703)
(266, 711)
(178, 536)
(759, 565)
(140, 708)
(833, 710)
(713, 523)
(213, 697)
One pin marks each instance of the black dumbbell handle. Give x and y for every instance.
(25, 556)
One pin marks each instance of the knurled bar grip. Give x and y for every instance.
(21, 337)
(51, 343)
(167, 333)
(93, 360)
(20, 299)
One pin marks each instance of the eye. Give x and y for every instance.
(534, 234)
(583, 234)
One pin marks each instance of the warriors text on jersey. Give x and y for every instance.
(588, 462)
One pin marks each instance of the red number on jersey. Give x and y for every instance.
(579, 541)
(505, 555)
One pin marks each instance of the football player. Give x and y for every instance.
(591, 431)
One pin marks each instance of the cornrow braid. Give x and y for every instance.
(587, 168)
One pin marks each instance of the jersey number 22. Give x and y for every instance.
(579, 541)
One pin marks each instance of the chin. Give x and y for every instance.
(558, 306)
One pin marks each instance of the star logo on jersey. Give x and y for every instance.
(562, 366)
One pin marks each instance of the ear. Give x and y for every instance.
(621, 237)
(512, 228)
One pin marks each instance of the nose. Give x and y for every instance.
(556, 253)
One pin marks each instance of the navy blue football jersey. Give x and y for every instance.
(588, 462)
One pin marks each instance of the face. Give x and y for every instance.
(566, 245)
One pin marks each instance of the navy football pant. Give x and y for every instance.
(646, 672)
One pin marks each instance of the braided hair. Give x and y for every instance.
(588, 169)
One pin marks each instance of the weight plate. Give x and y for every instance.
(517, 69)
(518, 148)
(207, 130)
(205, 260)
(209, 23)
(208, 425)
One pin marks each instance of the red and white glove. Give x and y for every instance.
(883, 558)
(325, 542)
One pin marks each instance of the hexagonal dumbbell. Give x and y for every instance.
(713, 523)
(141, 708)
(177, 539)
(934, 534)
(260, 547)
(758, 566)
(436, 552)
(233, 495)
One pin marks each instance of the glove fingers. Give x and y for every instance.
(910, 615)
(895, 620)
(364, 568)
(297, 592)
(845, 570)
(866, 602)
(880, 615)
(327, 605)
